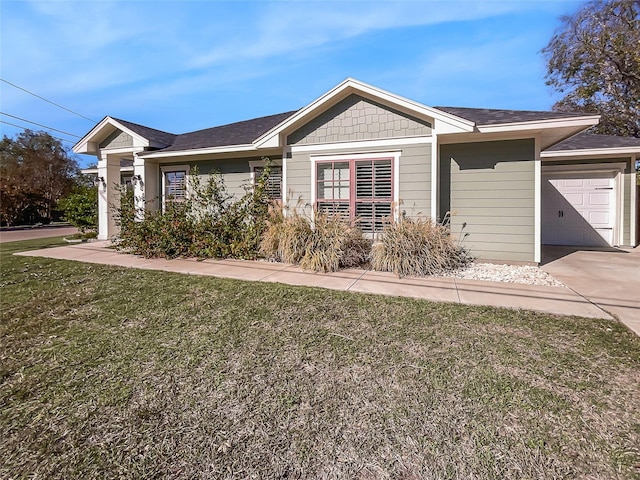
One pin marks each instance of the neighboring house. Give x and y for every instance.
(510, 180)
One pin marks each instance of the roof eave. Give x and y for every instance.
(201, 151)
(584, 152)
(579, 122)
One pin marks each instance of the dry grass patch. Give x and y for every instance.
(111, 373)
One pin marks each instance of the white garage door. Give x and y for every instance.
(579, 209)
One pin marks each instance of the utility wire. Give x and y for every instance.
(24, 128)
(48, 101)
(40, 125)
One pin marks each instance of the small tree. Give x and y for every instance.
(80, 207)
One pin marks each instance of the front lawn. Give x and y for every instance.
(116, 373)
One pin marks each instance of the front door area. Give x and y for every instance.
(579, 208)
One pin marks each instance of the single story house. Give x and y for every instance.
(510, 181)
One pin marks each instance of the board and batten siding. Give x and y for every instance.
(117, 139)
(629, 176)
(414, 176)
(488, 189)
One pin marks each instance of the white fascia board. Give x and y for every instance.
(349, 86)
(591, 152)
(578, 122)
(384, 143)
(201, 151)
(88, 144)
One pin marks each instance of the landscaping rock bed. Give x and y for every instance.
(491, 272)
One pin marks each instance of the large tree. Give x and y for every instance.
(36, 171)
(594, 59)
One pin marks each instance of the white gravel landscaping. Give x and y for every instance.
(525, 274)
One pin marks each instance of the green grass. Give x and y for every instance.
(115, 373)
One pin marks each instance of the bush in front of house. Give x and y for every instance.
(210, 223)
(80, 207)
(325, 244)
(417, 247)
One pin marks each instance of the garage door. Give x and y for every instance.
(579, 209)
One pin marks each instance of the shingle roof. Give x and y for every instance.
(157, 136)
(488, 116)
(586, 141)
(239, 133)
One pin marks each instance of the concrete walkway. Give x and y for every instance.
(558, 300)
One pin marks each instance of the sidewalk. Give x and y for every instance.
(557, 300)
(21, 234)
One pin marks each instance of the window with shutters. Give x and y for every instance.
(174, 184)
(274, 181)
(361, 189)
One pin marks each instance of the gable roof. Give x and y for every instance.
(157, 136)
(270, 131)
(447, 123)
(590, 141)
(490, 116)
(232, 134)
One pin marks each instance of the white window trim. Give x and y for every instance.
(344, 157)
(173, 168)
(618, 171)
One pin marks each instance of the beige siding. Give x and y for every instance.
(117, 139)
(629, 174)
(489, 189)
(414, 177)
(356, 118)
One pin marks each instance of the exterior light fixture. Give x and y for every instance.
(137, 179)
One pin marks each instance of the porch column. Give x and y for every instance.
(145, 184)
(108, 195)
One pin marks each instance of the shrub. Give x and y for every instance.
(210, 223)
(286, 238)
(80, 207)
(326, 245)
(417, 247)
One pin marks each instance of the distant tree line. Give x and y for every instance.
(36, 172)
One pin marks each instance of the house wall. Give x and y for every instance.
(489, 189)
(236, 172)
(627, 194)
(356, 118)
(117, 139)
(414, 176)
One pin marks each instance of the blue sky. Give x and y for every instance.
(185, 65)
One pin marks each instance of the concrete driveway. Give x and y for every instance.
(609, 278)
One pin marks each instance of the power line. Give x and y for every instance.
(40, 125)
(48, 101)
(24, 128)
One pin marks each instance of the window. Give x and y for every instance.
(174, 185)
(274, 181)
(361, 189)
